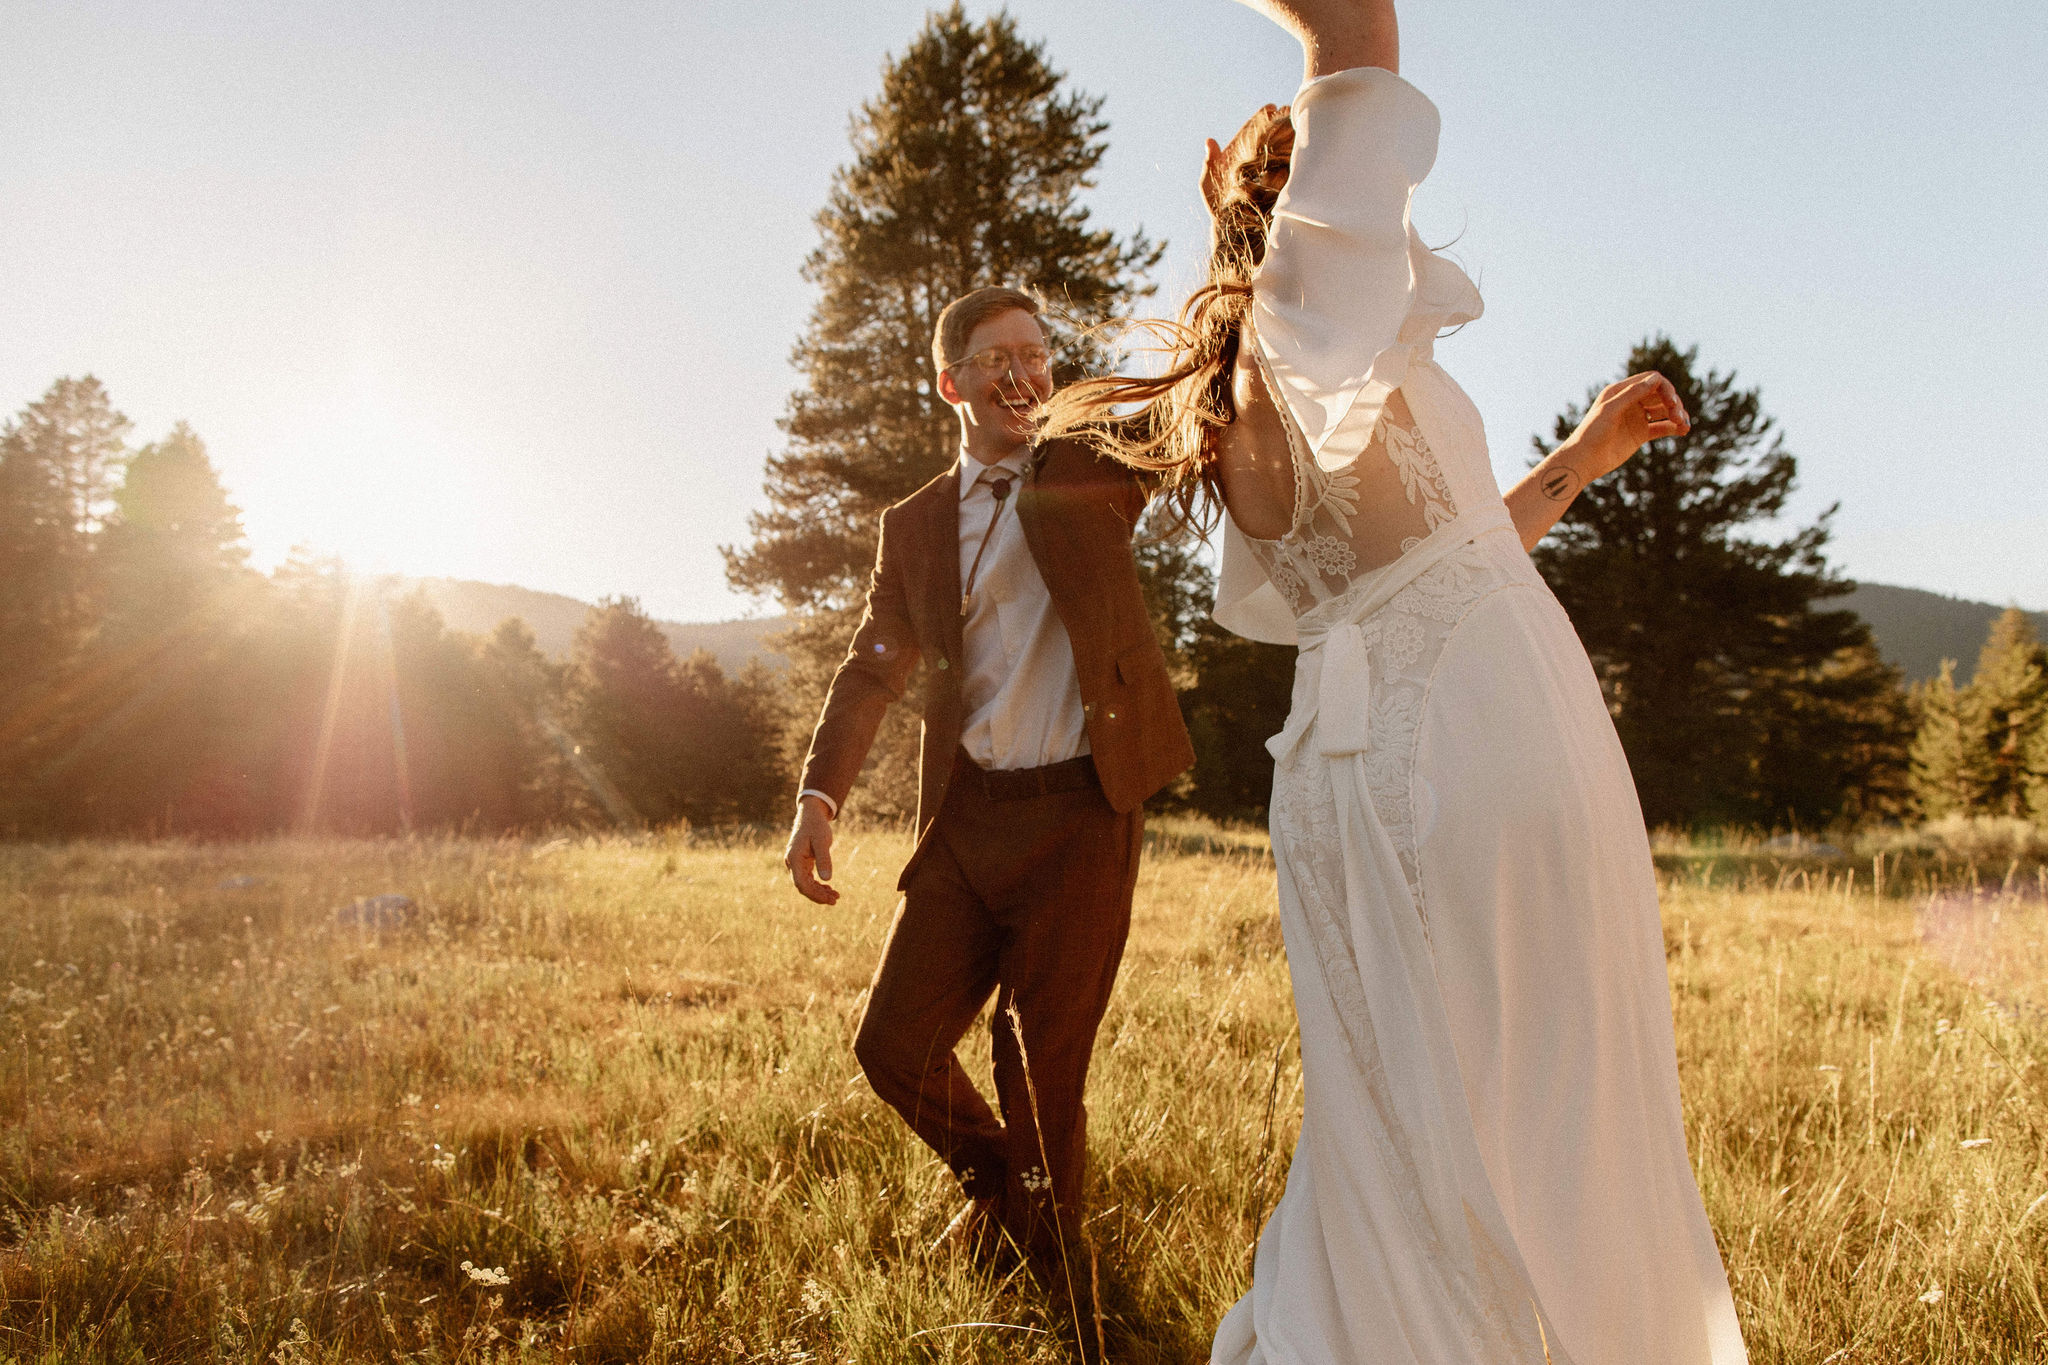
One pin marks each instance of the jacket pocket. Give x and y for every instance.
(1139, 663)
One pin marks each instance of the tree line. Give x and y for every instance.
(149, 680)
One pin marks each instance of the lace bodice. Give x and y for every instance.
(1357, 518)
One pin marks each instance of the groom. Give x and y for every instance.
(1048, 719)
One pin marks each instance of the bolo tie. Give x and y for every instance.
(1001, 488)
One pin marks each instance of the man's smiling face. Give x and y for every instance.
(995, 402)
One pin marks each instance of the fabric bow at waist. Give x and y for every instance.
(1341, 688)
(1333, 674)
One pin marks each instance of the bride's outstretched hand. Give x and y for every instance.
(1626, 416)
(1269, 127)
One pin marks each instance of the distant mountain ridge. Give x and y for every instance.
(1915, 629)
(555, 617)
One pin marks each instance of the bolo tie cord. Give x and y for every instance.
(1001, 488)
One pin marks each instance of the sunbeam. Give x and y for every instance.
(331, 713)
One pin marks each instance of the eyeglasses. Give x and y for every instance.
(994, 359)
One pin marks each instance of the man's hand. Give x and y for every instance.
(809, 855)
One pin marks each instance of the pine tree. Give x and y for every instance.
(58, 462)
(967, 171)
(527, 689)
(1833, 740)
(136, 737)
(2037, 775)
(663, 739)
(1949, 763)
(622, 704)
(173, 542)
(2006, 703)
(1726, 682)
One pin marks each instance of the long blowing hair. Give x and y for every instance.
(1166, 423)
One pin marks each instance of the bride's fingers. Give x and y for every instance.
(1212, 171)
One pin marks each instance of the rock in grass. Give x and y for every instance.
(377, 912)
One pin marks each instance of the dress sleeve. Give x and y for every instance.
(1348, 296)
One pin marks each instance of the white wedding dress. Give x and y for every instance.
(1492, 1166)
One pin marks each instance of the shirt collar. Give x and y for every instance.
(973, 471)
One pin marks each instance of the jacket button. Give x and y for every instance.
(943, 664)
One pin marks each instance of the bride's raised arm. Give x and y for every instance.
(1337, 35)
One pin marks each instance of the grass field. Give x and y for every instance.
(595, 1100)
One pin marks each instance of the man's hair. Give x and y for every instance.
(969, 311)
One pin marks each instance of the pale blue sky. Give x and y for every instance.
(506, 291)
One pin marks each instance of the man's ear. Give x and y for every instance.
(948, 390)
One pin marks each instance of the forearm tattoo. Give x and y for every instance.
(1560, 484)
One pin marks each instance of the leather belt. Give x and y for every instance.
(1018, 784)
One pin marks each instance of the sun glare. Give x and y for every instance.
(382, 479)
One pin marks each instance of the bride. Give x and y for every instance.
(1492, 1164)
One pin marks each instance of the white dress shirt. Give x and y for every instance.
(1022, 696)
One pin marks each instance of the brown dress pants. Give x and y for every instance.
(1029, 899)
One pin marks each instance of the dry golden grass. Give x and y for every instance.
(595, 1100)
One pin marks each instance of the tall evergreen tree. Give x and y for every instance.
(173, 541)
(1949, 764)
(664, 739)
(1726, 681)
(1832, 740)
(2037, 774)
(137, 731)
(967, 171)
(623, 703)
(2006, 704)
(59, 459)
(526, 687)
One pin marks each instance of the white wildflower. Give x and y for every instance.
(1968, 1143)
(486, 1275)
(1933, 1294)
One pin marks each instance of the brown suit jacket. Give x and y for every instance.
(1077, 511)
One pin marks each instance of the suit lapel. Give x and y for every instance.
(1031, 514)
(942, 579)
